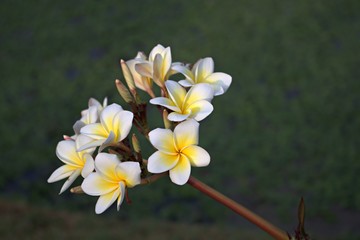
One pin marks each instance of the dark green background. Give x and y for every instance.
(288, 126)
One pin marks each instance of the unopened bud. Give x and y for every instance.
(301, 216)
(136, 144)
(77, 190)
(124, 93)
(128, 76)
(167, 122)
(66, 137)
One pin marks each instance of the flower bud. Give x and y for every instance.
(167, 123)
(136, 144)
(128, 76)
(77, 190)
(66, 137)
(124, 93)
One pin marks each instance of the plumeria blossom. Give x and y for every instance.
(110, 180)
(158, 66)
(94, 103)
(177, 151)
(142, 82)
(90, 115)
(192, 104)
(76, 163)
(203, 72)
(115, 124)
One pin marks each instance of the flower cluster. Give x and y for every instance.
(109, 160)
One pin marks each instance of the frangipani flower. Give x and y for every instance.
(192, 104)
(115, 124)
(110, 180)
(90, 115)
(93, 103)
(203, 72)
(158, 66)
(76, 163)
(142, 82)
(177, 151)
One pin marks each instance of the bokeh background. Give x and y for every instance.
(288, 126)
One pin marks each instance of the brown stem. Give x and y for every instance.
(239, 209)
(152, 178)
(123, 147)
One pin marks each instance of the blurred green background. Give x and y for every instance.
(288, 126)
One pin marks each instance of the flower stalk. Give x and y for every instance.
(275, 232)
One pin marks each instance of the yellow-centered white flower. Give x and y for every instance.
(177, 151)
(76, 163)
(158, 66)
(203, 72)
(90, 115)
(110, 180)
(192, 104)
(93, 103)
(115, 124)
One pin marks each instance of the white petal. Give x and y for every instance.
(95, 185)
(176, 91)
(140, 56)
(93, 114)
(173, 71)
(105, 103)
(186, 134)
(166, 61)
(160, 162)
(206, 67)
(186, 83)
(89, 165)
(60, 173)
(218, 90)
(91, 145)
(201, 91)
(66, 152)
(70, 180)
(82, 140)
(129, 172)
(158, 49)
(105, 165)
(111, 139)
(200, 110)
(108, 114)
(94, 102)
(197, 156)
(95, 131)
(195, 67)
(144, 69)
(178, 117)
(165, 102)
(105, 201)
(185, 71)
(222, 80)
(163, 140)
(77, 126)
(159, 70)
(181, 172)
(121, 195)
(138, 79)
(125, 124)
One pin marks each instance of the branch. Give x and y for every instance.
(239, 209)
